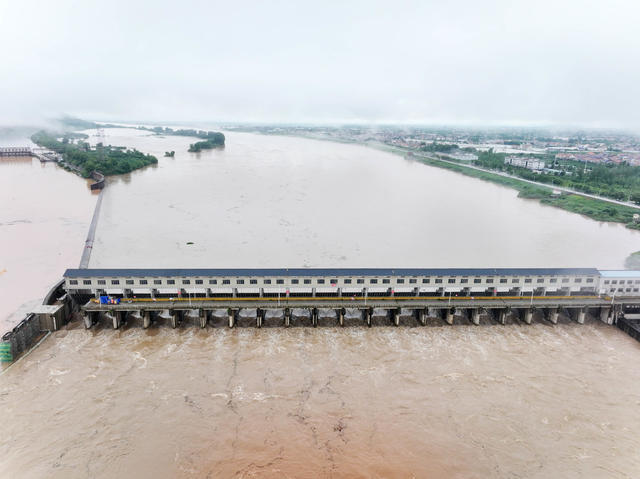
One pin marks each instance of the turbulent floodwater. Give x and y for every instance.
(512, 401)
(469, 402)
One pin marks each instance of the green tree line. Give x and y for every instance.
(617, 181)
(105, 159)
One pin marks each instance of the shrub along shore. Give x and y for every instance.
(593, 208)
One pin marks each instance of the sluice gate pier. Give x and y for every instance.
(269, 312)
(330, 297)
(358, 296)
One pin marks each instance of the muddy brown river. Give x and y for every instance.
(511, 401)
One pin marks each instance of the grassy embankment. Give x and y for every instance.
(592, 208)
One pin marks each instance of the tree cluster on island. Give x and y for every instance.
(170, 154)
(107, 160)
(211, 139)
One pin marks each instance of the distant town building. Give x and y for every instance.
(464, 156)
(530, 163)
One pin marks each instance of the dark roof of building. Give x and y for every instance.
(139, 272)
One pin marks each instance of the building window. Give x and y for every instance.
(213, 281)
(157, 281)
(426, 281)
(307, 281)
(198, 281)
(620, 290)
(637, 281)
(186, 281)
(589, 280)
(267, 281)
(629, 282)
(86, 281)
(253, 281)
(143, 281)
(347, 281)
(635, 290)
(503, 280)
(540, 280)
(527, 280)
(614, 281)
(171, 281)
(400, 281)
(578, 280)
(606, 281)
(73, 281)
(477, 280)
(102, 281)
(413, 281)
(385, 281)
(515, 280)
(464, 280)
(226, 281)
(115, 281)
(451, 280)
(438, 280)
(129, 281)
(320, 281)
(373, 281)
(628, 290)
(565, 280)
(294, 281)
(280, 281)
(553, 280)
(360, 281)
(239, 281)
(489, 280)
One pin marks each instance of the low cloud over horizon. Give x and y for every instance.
(571, 63)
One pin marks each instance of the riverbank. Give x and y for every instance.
(605, 210)
(598, 210)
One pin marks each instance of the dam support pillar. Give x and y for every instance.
(203, 318)
(367, 316)
(117, 319)
(232, 318)
(314, 317)
(475, 316)
(88, 319)
(174, 319)
(501, 316)
(341, 316)
(259, 314)
(579, 315)
(449, 316)
(606, 315)
(146, 319)
(287, 317)
(396, 317)
(552, 315)
(527, 316)
(422, 316)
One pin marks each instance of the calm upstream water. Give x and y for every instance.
(533, 401)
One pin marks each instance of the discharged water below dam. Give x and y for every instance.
(533, 401)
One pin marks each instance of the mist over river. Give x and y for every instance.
(513, 401)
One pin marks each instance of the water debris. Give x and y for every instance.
(189, 242)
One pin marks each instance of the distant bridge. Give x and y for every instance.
(42, 154)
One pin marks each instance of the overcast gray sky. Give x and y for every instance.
(567, 62)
